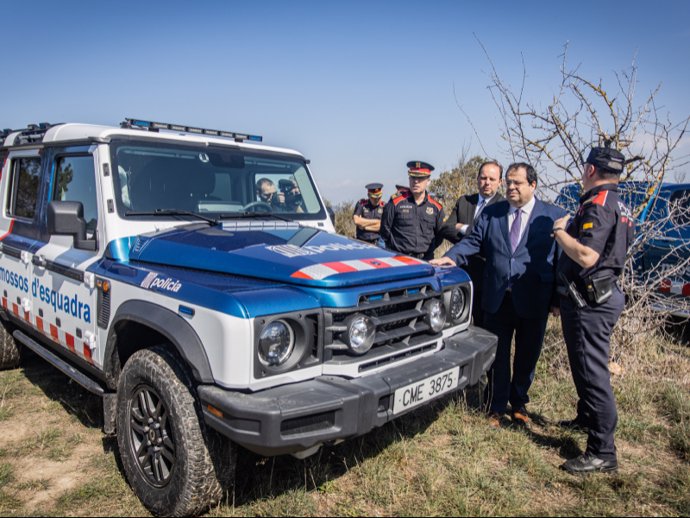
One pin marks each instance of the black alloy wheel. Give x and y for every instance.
(152, 441)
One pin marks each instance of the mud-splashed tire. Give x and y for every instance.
(9, 348)
(174, 464)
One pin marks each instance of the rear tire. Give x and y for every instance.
(175, 465)
(9, 349)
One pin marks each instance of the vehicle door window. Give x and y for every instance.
(75, 180)
(26, 180)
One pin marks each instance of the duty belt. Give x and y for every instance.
(597, 290)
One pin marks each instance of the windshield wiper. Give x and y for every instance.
(172, 212)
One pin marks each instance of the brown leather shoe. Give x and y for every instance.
(520, 416)
(578, 424)
(496, 420)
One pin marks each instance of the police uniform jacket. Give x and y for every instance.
(412, 229)
(604, 224)
(365, 209)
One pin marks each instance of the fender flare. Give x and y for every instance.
(171, 325)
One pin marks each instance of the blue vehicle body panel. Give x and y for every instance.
(252, 272)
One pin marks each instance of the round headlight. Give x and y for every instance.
(456, 307)
(276, 343)
(435, 314)
(360, 333)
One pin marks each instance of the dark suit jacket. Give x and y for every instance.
(529, 272)
(463, 212)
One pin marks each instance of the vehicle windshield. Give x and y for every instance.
(155, 179)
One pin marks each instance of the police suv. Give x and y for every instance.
(141, 261)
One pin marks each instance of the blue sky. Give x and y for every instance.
(359, 87)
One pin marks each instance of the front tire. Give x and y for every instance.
(167, 453)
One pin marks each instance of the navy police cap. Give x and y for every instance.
(375, 189)
(419, 169)
(606, 158)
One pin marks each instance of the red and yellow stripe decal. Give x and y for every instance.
(68, 340)
(323, 270)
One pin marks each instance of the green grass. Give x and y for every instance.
(6, 474)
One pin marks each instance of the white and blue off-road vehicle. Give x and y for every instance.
(145, 263)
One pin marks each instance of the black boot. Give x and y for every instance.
(579, 424)
(589, 463)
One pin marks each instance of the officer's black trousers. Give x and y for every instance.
(587, 334)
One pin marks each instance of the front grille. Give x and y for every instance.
(401, 329)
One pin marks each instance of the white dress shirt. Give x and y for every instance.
(524, 218)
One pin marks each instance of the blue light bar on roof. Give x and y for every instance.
(157, 126)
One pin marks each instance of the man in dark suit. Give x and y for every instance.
(519, 288)
(461, 220)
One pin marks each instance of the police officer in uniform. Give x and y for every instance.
(400, 189)
(594, 244)
(367, 215)
(412, 222)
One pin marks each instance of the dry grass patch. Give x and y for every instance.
(441, 460)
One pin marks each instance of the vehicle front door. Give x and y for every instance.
(63, 292)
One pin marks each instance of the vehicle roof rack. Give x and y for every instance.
(157, 126)
(32, 133)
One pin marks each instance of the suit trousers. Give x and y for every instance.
(529, 336)
(587, 334)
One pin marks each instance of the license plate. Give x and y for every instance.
(424, 390)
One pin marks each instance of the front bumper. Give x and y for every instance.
(293, 418)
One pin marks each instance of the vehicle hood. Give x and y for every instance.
(288, 253)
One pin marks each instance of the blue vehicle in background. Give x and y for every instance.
(662, 246)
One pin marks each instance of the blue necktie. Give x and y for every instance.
(480, 206)
(515, 230)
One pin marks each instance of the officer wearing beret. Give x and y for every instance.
(367, 215)
(412, 222)
(594, 244)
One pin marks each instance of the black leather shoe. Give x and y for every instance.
(588, 463)
(577, 425)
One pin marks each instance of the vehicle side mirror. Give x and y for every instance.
(67, 218)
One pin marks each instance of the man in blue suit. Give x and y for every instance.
(519, 285)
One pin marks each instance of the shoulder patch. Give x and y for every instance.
(398, 199)
(600, 199)
(434, 202)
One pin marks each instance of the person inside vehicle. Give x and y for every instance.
(292, 194)
(266, 192)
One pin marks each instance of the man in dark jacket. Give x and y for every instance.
(412, 222)
(519, 288)
(461, 220)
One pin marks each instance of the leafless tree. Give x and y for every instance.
(583, 112)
